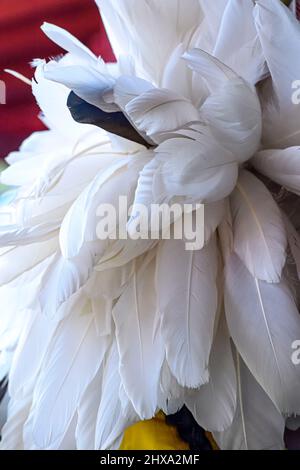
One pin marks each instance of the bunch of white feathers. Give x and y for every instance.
(99, 334)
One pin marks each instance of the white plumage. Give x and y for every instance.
(140, 345)
(74, 347)
(258, 230)
(213, 405)
(187, 302)
(282, 166)
(99, 334)
(257, 424)
(264, 322)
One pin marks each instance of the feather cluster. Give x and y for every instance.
(99, 334)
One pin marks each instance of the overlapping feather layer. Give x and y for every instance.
(103, 333)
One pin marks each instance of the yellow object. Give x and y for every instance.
(154, 434)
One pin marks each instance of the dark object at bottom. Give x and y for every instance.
(189, 430)
(3, 388)
(292, 439)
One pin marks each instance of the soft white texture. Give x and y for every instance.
(101, 334)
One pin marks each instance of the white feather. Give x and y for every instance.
(32, 347)
(257, 424)
(64, 277)
(149, 31)
(67, 41)
(22, 172)
(179, 78)
(144, 190)
(19, 76)
(171, 394)
(232, 111)
(109, 284)
(87, 414)
(264, 322)
(237, 44)
(281, 166)
(37, 213)
(160, 111)
(91, 83)
(120, 253)
(198, 169)
(12, 431)
(258, 228)
(18, 304)
(129, 87)
(139, 344)
(213, 13)
(187, 299)
(113, 416)
(281, 122)
(74, 226)
(69, 440)
(28, 257)
(52, 100)
(215, 73)
(17, 234)
(73, 358)
(214, 214)
(214, 404)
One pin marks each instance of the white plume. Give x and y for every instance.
(264, 322)
(187, 302)
(257, 424)
(258, 230)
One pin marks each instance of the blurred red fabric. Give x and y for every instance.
(21, 40)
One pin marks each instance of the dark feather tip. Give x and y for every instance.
(115, 123)
(189, 430)
(3, 388)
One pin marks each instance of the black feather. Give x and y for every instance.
(3, 388)
(115, 123)
(189, 430)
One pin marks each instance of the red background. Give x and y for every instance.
(21, 40)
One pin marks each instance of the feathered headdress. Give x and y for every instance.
(104, 333)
